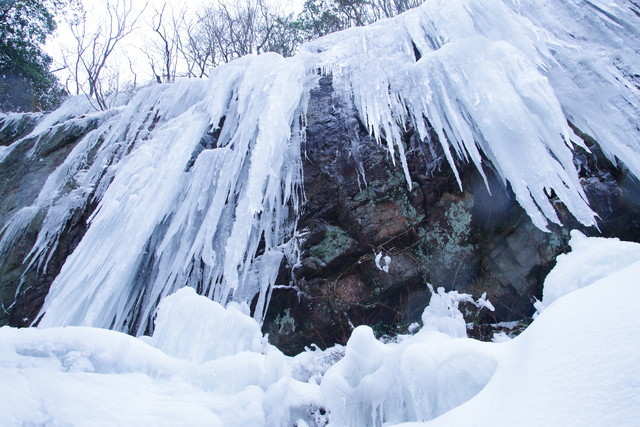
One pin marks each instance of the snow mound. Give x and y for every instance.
(418, 378)
(206, 331)
(218, 374)
(595, 258)
(575, 365)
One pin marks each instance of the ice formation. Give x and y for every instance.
(417, 378)
(197, 183)
(382, 263)
(178, 206)
(576, 364)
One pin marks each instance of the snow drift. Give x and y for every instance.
(207, 365)
(198, 183)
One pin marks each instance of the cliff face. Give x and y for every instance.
(434, 233)
(28, 161)
(357, 211)
(454, 144)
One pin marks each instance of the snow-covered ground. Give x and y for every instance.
(576, 364)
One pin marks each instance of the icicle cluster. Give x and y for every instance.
(498, 80)
(191, 179)
(196, 182)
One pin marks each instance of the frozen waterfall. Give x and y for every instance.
(198, 183)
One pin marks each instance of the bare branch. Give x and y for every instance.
(89, 60)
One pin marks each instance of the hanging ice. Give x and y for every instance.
(185, 207)
(498, 80)
(197, 183)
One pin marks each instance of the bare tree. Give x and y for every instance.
(389, 8)
(88, 60)
(189, 45)
(226, 31)
(196, 50)
(167, 24)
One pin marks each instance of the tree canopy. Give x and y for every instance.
(178, 42)
(26, 83)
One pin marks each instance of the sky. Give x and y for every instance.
(129, 60)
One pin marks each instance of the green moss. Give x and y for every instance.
(447, 240)
(410, 212)
(369, 192)
(394, 190)
(391, 189)
(335, 243)
(285, 323)
(557, 243)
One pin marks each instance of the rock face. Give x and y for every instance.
(23, 286)
(358, 206)
(369, 244)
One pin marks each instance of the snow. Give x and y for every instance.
(598, 258)
(575, 364)
(80, 376)
(210, 365)
(418, 378)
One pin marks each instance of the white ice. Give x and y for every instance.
(180, 224)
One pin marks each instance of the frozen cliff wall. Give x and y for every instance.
(198, 183)
(176, 203)
(469, 239)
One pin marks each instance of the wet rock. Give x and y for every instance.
(475, 239)
(23, 172)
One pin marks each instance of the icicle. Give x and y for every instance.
(497, 80)
(202, 227)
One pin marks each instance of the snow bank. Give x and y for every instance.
(595, 258)
(220, 373)
(206, 365)
(576, 364)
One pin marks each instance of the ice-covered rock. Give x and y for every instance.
(198, 183)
